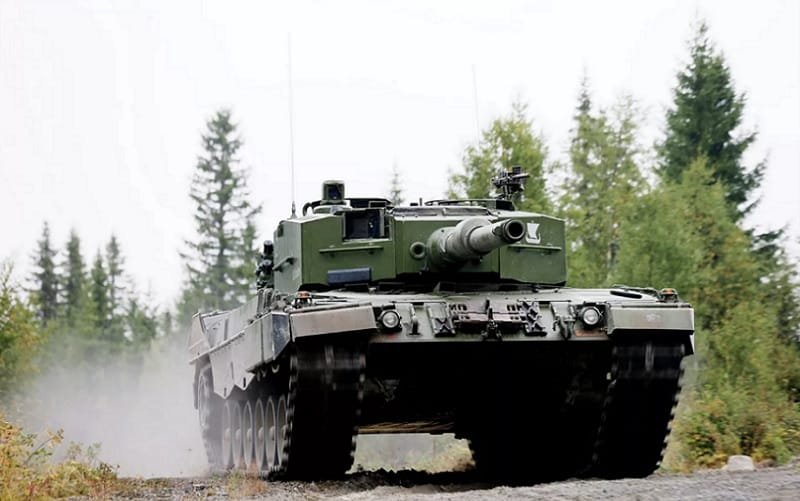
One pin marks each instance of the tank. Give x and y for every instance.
(450, 316)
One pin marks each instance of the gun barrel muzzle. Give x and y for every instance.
(471, 239)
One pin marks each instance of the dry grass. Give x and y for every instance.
(243, 484)
(27, 470)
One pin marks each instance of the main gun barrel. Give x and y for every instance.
(471, 239)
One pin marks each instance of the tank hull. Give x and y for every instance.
(539, 390)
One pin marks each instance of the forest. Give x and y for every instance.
(669, 214)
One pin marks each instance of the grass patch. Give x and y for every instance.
(28, 471)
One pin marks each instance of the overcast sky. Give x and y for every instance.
(102, 103)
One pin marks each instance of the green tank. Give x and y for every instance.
(450, 316)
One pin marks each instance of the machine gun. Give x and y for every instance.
(510, 182)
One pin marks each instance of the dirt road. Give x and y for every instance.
(769, 483)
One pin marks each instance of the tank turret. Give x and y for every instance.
(470, 239)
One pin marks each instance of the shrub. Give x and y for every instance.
(28, 472)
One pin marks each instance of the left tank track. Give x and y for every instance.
(611, 421)
(643, 392)
(297, 419)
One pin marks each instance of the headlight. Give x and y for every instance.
(590, 316)
(389, 319)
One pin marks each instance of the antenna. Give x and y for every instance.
(475, 99)
(291, 124)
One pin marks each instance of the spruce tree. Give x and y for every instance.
(115, 263)
(74, 280)
(142, 321)
(248, 261)
(705, 121)
(45, 279)
(99, 295)
(216, 258)
(117, 291)
(509, 141)
(603, 183)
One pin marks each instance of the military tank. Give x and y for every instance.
(449, 316)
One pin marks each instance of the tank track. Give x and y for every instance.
(633, 402)
(314, 391)
(210, 416)
(643, 391)
(325, 391)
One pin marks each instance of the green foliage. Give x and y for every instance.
(99, 315)
(508, 142)
(142, 321)
(18, 337)
(745, 391)
(115, 263)
(704, 121)
(746, 397)
(27, 471)
(45, 279)
(221, 259)
(780, 278)
(99, 294)
(602, 188)
(74, 280)
(683, 237)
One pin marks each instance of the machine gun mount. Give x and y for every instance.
(510, 182)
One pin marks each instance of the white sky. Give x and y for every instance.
(102, 103)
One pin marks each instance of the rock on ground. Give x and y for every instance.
(739, 463)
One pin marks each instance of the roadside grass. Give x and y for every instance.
(28, 469)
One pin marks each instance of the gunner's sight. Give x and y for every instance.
(332, 192)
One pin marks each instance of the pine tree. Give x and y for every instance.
(224, 224)
(117, 291)
(603, 184)
(74, 277)
(705, 121)
(115, 263)
(248, 261)
(142, 322)
(99, 295)
(45, 279)
(396, 188)
(508, 142)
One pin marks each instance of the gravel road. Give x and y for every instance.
(768, 483)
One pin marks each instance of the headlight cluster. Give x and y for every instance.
(590, 316)
(389, 320)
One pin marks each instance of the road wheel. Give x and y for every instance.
(260, 436)
(248, 435)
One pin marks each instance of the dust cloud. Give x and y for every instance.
(138, 408)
